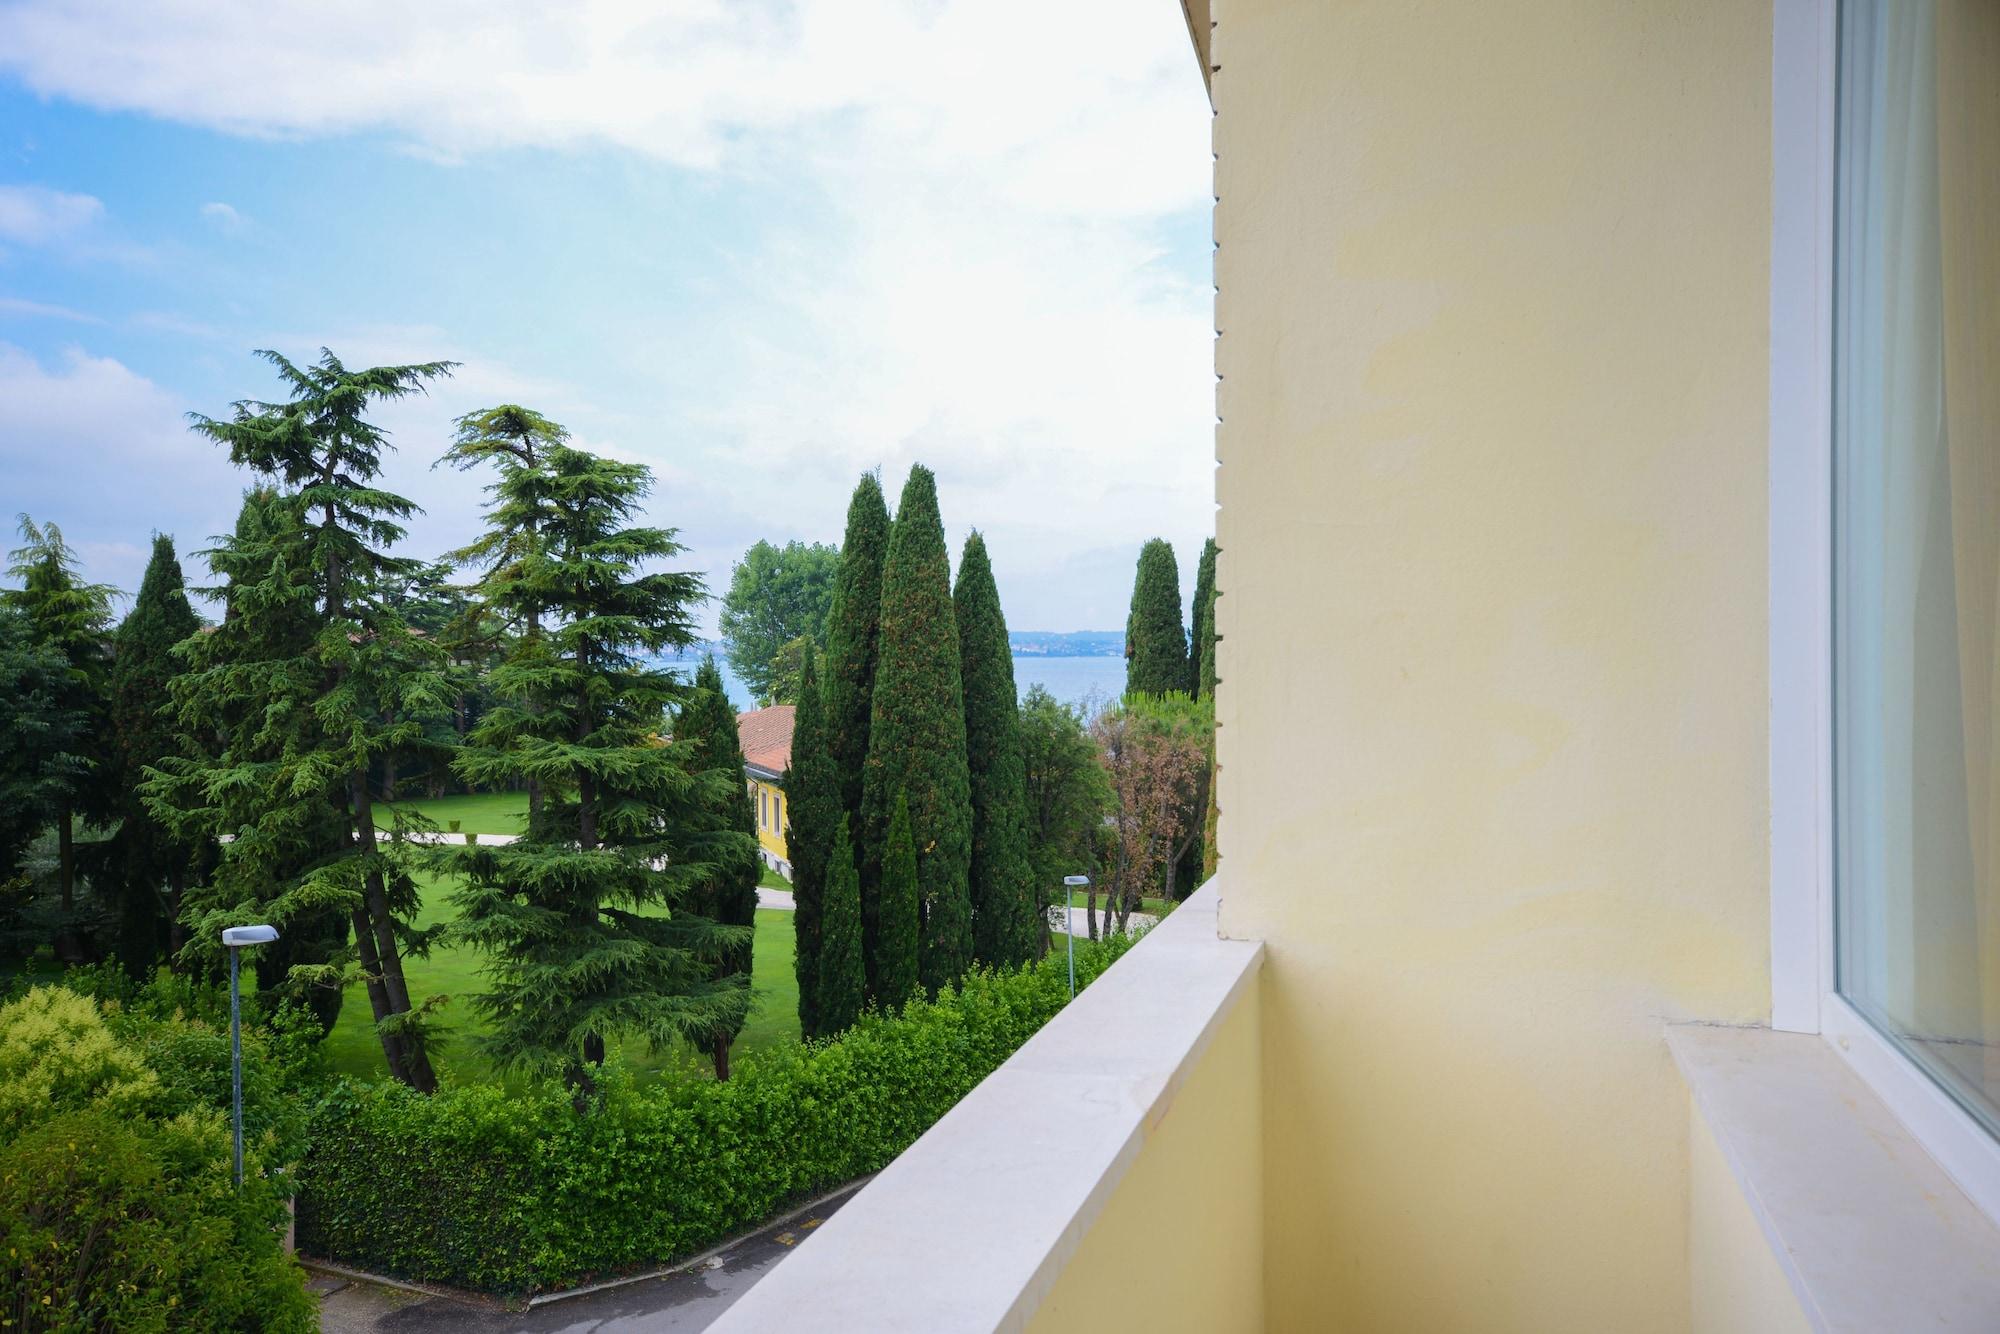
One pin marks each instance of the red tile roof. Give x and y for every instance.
(766, 737)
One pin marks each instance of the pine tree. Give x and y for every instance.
(585, 920)
(74, 619)
(916, 736)
(1156, 642)
(300, 721)
(840, 980)
(853, 638)
(812, 803)
(728, 894)
(514, 440)
(1006, 926)
(1201, 639)
(153, 868)
(897, 937)
(42, 736)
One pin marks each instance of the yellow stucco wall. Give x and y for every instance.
(1493, 339)
(768, 801)
(1734, 1283)
(1179, 1246)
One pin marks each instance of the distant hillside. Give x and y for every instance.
(1067, 643)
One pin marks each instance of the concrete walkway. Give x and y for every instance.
(689, 1298)
(1079, 921)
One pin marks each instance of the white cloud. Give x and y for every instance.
(105, 453)
(223, 216)
(36, 215)
(42, 310)
(972, 276)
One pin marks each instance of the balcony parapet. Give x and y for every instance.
(973, 1226)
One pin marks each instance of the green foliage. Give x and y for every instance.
(916, 736)
(310, 682)
(72, 618)
(1068, 794)
(812, 796)
(580, 954)
(898, 946)
(116, 1205)
(776, 595)
(853, 640)
(1006, 918)
(841, 979)
(727, 894)
(795, 658)
(510, 1194)
(150, 868)
(1156, 641)
(1201, 641)
(42, 740)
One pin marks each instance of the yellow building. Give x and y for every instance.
(1609, 503)
(766, 738)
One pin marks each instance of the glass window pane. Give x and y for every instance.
(1917, 533)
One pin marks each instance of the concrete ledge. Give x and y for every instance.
(970, 1227)
(1867, 1228)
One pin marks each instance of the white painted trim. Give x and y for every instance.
(1801, 503)
(1961, 1146)
(1804, 998)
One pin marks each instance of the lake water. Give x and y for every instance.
(1071, 680)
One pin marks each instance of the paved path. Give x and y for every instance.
(1079, 921)
(687, 1299)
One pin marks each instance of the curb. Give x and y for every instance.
(488, 1302)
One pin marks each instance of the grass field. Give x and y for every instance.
(454, 972)
(479, 813)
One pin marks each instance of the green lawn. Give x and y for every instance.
(1080, 898)
(453, 971)
(479, 813)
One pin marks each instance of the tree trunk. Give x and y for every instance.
(176, 934)
(389, 777)
(378, 995)
(721, 1055)
(66, 858)
(417, 1072)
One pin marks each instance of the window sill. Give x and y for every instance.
(1869, 1231)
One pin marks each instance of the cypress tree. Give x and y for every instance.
(841, 979)
(897, 936)
(728, 893)
(153, 868)
(1156, 642)
(812, 800)
(916, 735)
(852, 639)
(74, 619)
(1006, 926)
(1201, 637)
(579, 950)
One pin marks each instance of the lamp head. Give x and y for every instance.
(235, 936)
(1074, 881)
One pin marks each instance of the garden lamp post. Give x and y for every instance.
(236, 937)
(1071, 882)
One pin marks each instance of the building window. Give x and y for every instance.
(1916, 520)
(763, 809)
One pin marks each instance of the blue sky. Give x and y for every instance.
(760, 248)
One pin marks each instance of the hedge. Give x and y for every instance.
(515, 1192)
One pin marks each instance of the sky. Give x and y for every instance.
(761, 247)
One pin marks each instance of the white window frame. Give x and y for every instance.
(1803, 998)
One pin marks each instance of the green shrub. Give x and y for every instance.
(510, 1193)
(116, 1206)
